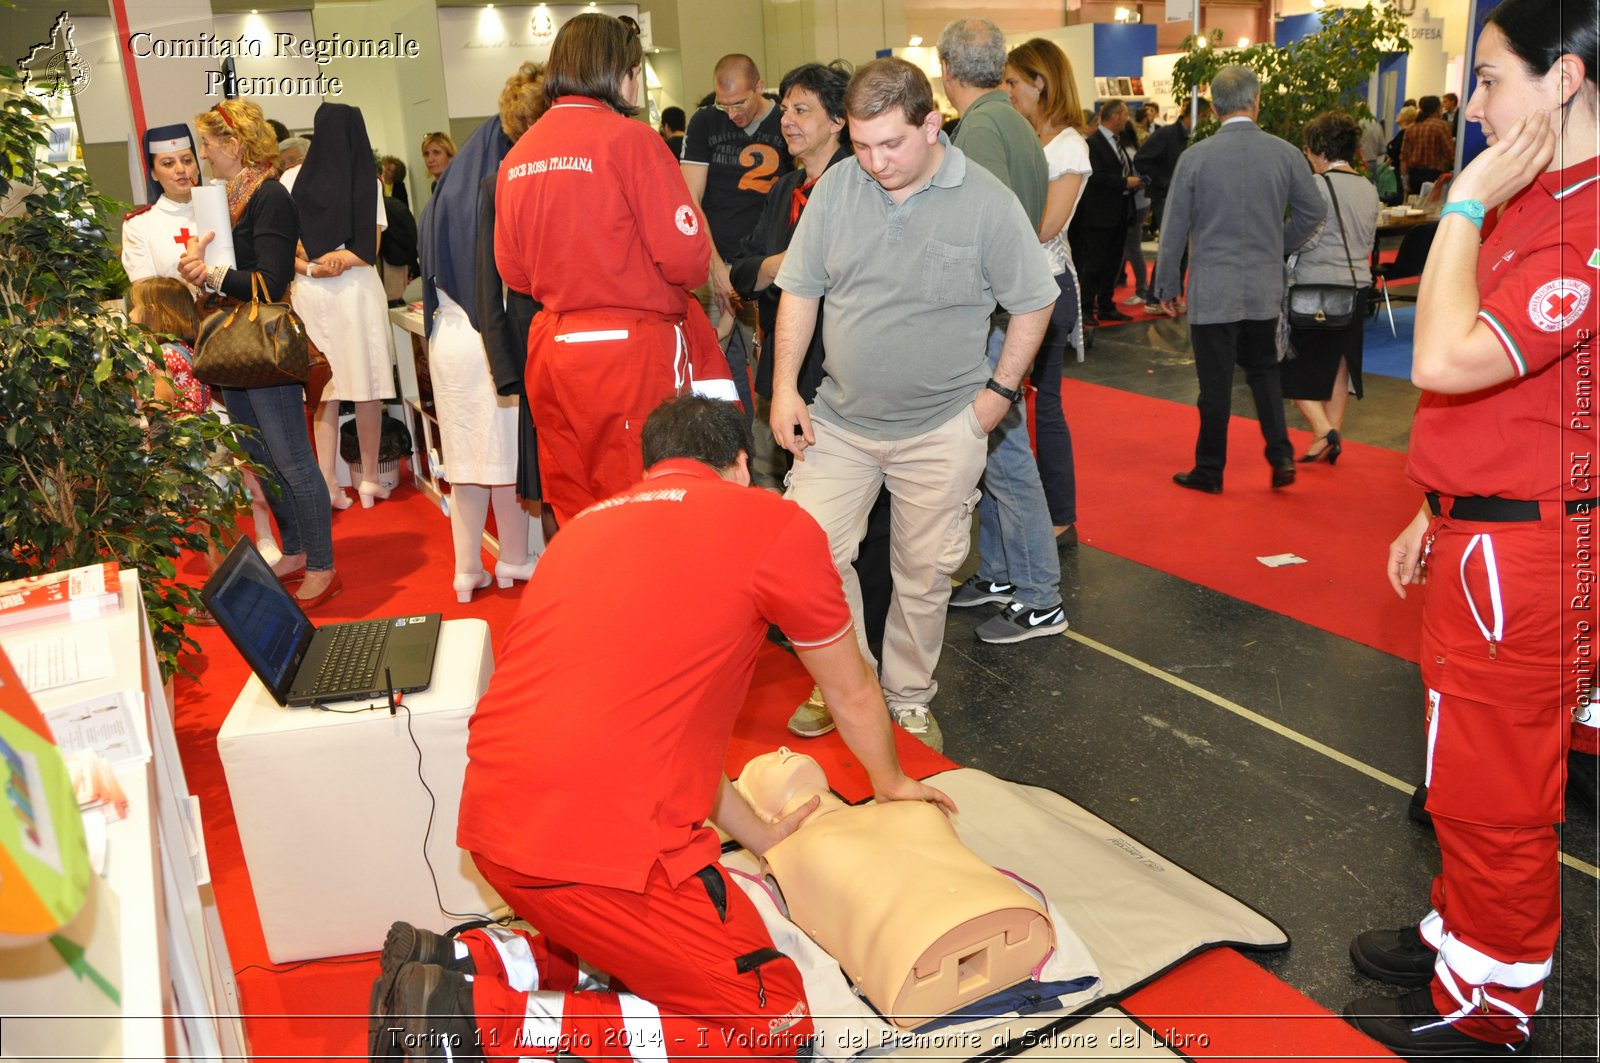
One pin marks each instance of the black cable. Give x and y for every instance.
(433, 807)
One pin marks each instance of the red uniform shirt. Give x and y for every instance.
(591, 213)
(599, 746)
(1531, 437)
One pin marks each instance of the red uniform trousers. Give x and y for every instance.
(1504, 658)
(593, 376)
(703, 977)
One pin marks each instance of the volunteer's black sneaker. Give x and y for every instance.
(1410, 1026)
(980, 592)
(429, 1017)
(1399, 957)
(1418, 809)
(1017, 622)
(412, 944)
(406, 944)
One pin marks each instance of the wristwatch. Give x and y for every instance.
(1471, 209)
(1011, 394)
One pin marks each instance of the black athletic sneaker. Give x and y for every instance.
(412, 944)
(980, 592)
(429, 1017)
(1399, 957)
(1410, 1026)
(406, 944)
(1017, 622)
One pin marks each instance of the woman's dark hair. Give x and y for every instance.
(1334, 135)
(1541, 31)
(826, 82)
(591, 55)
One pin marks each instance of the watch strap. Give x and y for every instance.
(1471, 209)
(1011, 394)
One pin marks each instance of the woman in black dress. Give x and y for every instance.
(1325, 366)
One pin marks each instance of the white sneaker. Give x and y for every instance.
(918, 721)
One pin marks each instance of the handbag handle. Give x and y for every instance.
(1343, 239)
(259, 293)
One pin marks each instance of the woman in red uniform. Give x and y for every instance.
(1502, 444)
(594, 221)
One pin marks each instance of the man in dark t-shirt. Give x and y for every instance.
(732, 154)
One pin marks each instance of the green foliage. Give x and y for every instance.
(92, 467)
(1325, 71)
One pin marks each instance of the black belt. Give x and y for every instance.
(1501, 510)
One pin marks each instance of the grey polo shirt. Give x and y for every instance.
(993, 135)
(909, 290)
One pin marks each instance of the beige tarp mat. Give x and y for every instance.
(1121, 912)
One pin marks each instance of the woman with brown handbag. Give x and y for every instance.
(240, 148)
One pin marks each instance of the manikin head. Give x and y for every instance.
(779, 782)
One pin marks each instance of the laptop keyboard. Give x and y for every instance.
(352, 657)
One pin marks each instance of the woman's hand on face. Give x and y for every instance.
(1510, 164)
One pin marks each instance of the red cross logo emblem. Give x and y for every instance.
(183, 237)
(1559, 305)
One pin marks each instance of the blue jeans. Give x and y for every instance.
(1052, 438)
(281, 444)
(1016, 542)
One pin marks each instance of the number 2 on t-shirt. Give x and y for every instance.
(761, 162)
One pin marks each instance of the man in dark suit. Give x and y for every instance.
(1227, 202)
(1105, 209)
(1156, 161)
(1157, 158)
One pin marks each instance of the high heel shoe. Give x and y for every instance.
(370, 493)
(505, 573)
(339, 500)
(334, 586)
(1333, 446)
(466, 583)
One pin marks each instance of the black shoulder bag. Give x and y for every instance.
(1326, 306)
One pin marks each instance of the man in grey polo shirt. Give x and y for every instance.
(1018, 567)
(912, 247)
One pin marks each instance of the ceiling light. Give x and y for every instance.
(916, 42)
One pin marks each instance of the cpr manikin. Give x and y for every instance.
(917, 920)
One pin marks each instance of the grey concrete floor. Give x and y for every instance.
(1319, 846)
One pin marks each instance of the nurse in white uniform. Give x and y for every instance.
(155, 236)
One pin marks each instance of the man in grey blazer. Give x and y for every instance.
(1227, 201)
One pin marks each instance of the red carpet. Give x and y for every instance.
(1340, 518)
(400, 550)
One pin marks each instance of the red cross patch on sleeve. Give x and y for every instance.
(1558, 303)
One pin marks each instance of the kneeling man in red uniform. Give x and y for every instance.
(595, 763)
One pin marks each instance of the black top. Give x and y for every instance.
(263, 242)
(742, 165)
(337, 189)
(1157, 158)
(504, 323)
(399, 246)
(770, 236)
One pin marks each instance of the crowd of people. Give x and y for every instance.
(876, 293)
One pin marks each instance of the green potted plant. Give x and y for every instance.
(92, 467)
(1324, 71)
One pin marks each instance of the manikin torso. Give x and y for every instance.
(916, 919)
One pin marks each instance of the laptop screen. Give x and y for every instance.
(259, 616)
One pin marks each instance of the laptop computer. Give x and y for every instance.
(302, 664)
